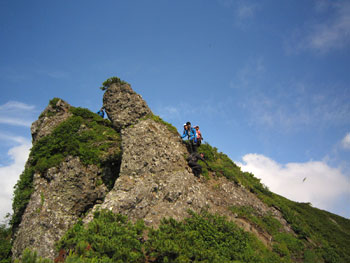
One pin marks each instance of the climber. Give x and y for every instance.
(199, 136)
(192, 137)
(192, 162)
(184, 133)
(101, 112)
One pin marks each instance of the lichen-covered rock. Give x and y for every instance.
(57, 202)
(124, 106)
(55, 113)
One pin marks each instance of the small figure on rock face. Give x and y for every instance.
(192, 137)
(192, 162)
(101, 112)
(199, 136)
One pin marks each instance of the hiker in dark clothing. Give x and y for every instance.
(192, 137)
(101, 112)
(192, 162)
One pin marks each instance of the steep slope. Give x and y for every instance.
(135, 165)
(74, 160)
(155, 180)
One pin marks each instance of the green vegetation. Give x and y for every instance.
(53, 104)
(31, 257)
(201, 237)
(108, 238)
(85, 135)
(5, 244)
(327, 233)
(110, 81)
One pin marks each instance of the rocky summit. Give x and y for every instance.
(132, 164)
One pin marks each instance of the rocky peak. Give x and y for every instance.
(123, 106)
(153, 182)
(56, 112)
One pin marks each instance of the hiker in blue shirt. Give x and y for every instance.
(191, 136)
(101, 112)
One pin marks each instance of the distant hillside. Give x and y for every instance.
(120, 190)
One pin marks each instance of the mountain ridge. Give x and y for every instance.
(152, 181)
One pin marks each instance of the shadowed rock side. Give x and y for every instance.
(57, 202)
(124, 106)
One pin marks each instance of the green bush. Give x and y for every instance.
(108, 238)
(110, 81)
(32, 257)
(201, 237)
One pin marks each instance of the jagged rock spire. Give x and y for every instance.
(124, 106)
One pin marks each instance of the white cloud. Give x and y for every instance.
(244, 13)
(346, 141)
(17, 113)
(313, 181)
(333, 32)
(9, 174)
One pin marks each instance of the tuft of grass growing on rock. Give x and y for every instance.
(106, 84)
(158, 119)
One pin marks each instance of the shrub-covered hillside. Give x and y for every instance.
(85, 135)
(320, 235)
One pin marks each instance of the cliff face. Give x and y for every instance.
(154, 180)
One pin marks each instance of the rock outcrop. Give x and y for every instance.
(123, 105)
(56, 112)
(64, 193)
(154, 180)
(57, 202)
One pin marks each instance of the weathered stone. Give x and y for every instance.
(123, 106)
(56, 204)
(49, 119)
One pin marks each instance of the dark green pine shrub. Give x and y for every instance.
(108, 238)
(110, 81)
(199, 238)
(85, 135)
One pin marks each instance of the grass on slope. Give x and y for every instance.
(324, 235)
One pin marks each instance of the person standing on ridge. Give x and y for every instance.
(192, 162)
(199, 136)
(192, 137)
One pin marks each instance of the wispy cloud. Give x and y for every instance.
(245, 13)
(346, 141)
(9, 174)
(314, 181)
(297, 106)
(326, 34)
(248, 76)
(17, 113)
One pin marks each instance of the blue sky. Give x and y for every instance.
(266, 81)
